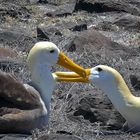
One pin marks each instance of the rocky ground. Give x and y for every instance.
(90, 32)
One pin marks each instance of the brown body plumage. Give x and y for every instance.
(19, 106)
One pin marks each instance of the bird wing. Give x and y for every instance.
(15, 94)
(21, 121)
(20, 106)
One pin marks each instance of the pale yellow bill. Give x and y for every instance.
(72, 77)
(67, 63)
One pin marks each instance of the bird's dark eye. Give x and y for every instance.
(51, 51)
(99, 69)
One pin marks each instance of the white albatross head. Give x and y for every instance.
(43, 53)
(102, 76)
(47, 53)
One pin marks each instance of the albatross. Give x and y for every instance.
(24, 107)
(113, 85)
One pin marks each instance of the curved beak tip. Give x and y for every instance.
(67, 63)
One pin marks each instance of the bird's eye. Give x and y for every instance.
(99, 69)
(52, 51)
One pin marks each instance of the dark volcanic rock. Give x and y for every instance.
(58, 137)
(126, 22)
(129, 22)
(62, 10)
(81, 27)
(13, 136)
(55, 34)
(93, 40)
(42, 34)
(61, 2)
(98, 47)
(58, 8)
(17, 38)
(94, 108)
(49, 34)
(56, 11)
(108, 5)
(105, 26)
(135, 81)
(8, 60)
(13, 10)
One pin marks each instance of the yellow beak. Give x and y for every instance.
(67, 63)
(72, 77)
